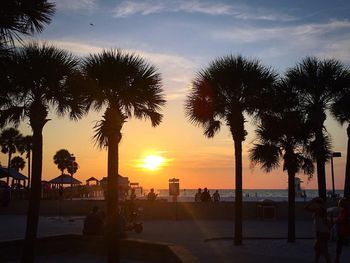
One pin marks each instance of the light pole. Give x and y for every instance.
(334, 154)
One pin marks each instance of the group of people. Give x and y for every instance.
(323, 227)
(204, 196)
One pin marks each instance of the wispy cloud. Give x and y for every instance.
(128, 8)
(177, 71)
(76, 4)
(330, 39)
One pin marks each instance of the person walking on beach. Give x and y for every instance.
(216, 196)
(197, 197)
(205, 197)
(343, 226)
(318, 208)
(152, 195)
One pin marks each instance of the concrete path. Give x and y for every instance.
(209, 241)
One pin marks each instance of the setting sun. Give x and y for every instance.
(153, 162)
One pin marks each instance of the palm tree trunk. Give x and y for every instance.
(8, 167)
(239, 193)
(291, 206)
(29, 171)
(320, 163)
(112, 201)
(34, 198)
(347, 170)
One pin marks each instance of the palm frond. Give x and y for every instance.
(267, 155)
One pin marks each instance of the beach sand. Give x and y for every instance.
(209, 241)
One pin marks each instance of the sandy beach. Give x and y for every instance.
(209, 241)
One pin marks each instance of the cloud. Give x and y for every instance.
(129, 8)
(76, 4)
(177, 71)
(330, 39)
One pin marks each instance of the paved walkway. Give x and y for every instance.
(209, 241)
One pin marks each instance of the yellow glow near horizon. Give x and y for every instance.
(153, 162)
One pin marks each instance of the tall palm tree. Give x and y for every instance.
(23, 17)
(26, 147)
(341, 110)
(38, 83)
(317, 81)
(9, 142)
(225, 92)
(128, 87)
(62, 160)
(284, 133)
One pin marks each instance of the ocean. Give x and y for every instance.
(229, 194)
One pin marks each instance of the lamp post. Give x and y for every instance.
(334, 154)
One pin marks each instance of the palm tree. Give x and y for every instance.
(18, 163)
(228, 89)
(128, 87)
(23, 17)
(284, 133)
(38, 79)
(26, 146)
(62, 160)
(9, 142)
(341, 110)
(317, 81)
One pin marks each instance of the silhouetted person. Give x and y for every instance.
(216, 196)
(197, 197)
(205, 197)
(93, 223)
(343, 226)
(321, 226)
(151, 195)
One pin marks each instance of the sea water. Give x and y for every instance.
(229, 194)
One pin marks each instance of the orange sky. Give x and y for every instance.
(194, 159)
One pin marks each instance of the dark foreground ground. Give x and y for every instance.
(209, 241)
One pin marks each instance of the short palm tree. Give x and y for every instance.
(341, 110)
(128, 87)
(23, 17)
(62, 159)
(10, 140)
(26, 147)
(38, 78)
(18, 163)
(224, 92)
(317, 82)
(284, 133)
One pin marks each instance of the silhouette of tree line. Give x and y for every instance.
(289, 110)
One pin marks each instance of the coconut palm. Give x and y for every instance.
(9, 142)
(128, 87)
(341, 110)
(317, 81)
(225, 92)
(23, 17)
(284, 134)
(38, 79)
(62, 159)
(18, 163)
(26, 147)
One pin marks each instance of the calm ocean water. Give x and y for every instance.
(248, 195)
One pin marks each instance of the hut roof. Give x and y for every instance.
(64, 179)
(122, 181)
(92, 179)
(12, 173)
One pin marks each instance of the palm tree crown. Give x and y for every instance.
(23, 17)
(62, 159)
(18, 163)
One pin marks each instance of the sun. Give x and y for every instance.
(153, 162)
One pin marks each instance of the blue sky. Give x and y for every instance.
(182, 36)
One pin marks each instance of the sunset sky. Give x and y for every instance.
(181, 37)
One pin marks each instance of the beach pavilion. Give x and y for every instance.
(92, 179)
(64, 179)
(16, 176)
